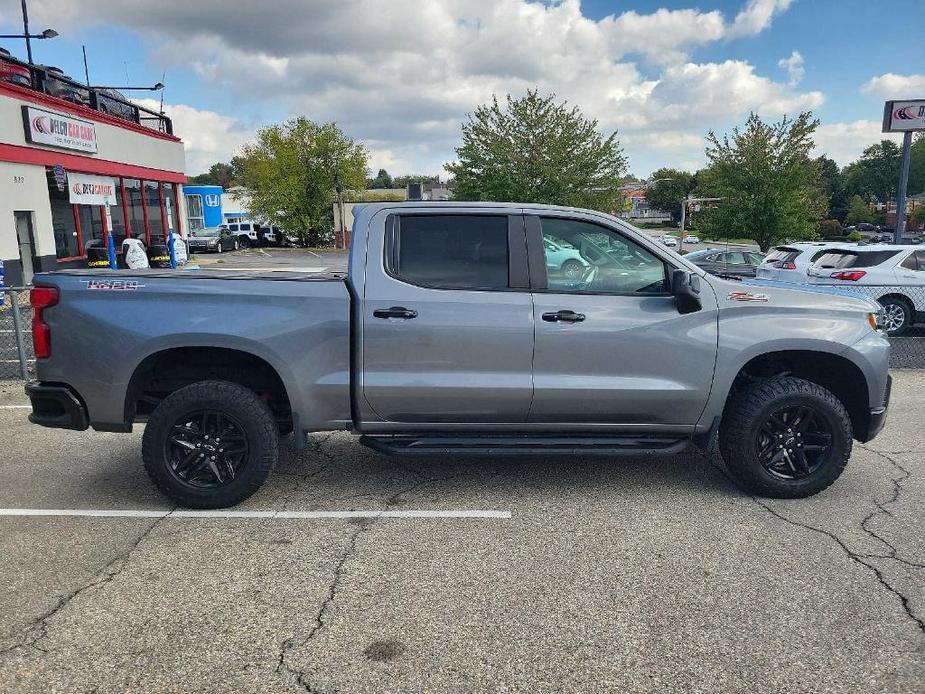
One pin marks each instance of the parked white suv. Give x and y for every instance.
(790, 262)
(892, 275)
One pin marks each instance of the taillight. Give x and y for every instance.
(785, 265)
(41, 298)
(848, 275)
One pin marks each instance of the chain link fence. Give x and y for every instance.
(17, 360)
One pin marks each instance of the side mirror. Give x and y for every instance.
(685, 286)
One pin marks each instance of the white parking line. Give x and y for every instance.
(15, 407)
(276, 515)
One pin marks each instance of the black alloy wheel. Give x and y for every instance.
(205, 449)
(793, 443)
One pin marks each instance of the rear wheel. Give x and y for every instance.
(895, 316)
(244, 242)
(210, 445)
(785, 438)
(572, 269)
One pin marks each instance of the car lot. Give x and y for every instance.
(624, 575)
(277, 258)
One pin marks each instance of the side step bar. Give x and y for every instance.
(525, 445)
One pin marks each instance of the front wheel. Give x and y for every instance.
(785, 438)
(573, 269)
(211, 444)
(895, 316)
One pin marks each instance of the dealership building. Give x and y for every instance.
(77, 165)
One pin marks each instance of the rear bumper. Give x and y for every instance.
(56, 406)
(878, 414)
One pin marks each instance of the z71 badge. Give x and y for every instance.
(747, 296)
(114, 285)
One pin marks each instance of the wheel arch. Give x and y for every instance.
(167, 370)
(834, 372)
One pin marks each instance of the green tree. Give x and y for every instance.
(291, 170)
(917, 218)
(219, 174)
(876, 174)
(536, 150)
(917, 165)
(833, 188)
(668, 188)
(382, 180)
(858, 211)
(769, 185)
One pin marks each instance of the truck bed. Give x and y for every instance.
(211, 273)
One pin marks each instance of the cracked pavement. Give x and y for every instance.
(644, 575)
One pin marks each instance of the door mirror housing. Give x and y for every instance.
(685, 287)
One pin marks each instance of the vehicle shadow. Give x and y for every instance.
(334, 470)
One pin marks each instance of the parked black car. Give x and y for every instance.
(717, 261)
(215, 239)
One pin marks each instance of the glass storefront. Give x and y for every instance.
(150, 212)
(63, 222)
(153, 208)
(136, 215)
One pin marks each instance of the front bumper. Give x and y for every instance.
(57, 406)
(878, 414)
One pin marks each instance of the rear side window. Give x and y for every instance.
(843, 259)
(245, 227)
(915, 261)
(232, 227)
(782, 254)
(450, 251)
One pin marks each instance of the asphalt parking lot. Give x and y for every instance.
(643, 575)
(301, 259)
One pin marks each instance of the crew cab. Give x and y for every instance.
(449, 335)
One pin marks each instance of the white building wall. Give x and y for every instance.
(28, 188)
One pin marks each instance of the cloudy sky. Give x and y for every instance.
(401, 75)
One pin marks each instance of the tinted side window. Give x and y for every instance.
(609, 261)
(451, 251)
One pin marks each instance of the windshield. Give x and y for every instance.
(205, 233)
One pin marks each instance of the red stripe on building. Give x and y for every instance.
(18, 154)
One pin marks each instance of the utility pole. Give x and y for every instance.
(903, 184)
(339, 189)
(25, 30)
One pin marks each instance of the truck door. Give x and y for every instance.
(611, 346)
(447, 318)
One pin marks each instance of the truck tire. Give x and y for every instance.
(210, 445)
(785, 438)
(896, 315)
(244, 241)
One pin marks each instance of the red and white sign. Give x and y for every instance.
(91, 190)
(55, 129)
(904, 116)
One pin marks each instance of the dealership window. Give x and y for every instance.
(135, 207)
(63, 224)
(91, 225)
(171, 214)
(194, 213)
(118, 219)
(152, 192)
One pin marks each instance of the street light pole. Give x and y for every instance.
(903, 184)
(25, 30)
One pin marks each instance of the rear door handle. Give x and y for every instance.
(563, 316)
(395, 312)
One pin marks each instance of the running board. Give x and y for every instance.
(525, 445)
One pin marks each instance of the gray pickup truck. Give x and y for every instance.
(457, 330)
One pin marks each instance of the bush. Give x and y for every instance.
(828, 228)
(855, 236)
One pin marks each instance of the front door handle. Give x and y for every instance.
(395, 312)
(563, 316)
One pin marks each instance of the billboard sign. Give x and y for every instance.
(49, 128)
(904, 116)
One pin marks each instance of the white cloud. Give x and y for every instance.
(892, 86)
(794, 67)
(756, 16)
(207, 136)
(844, 142)
(403, 79)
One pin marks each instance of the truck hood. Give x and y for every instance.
(777, 294)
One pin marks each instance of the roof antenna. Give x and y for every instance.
(86, 69)
(163, 82)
